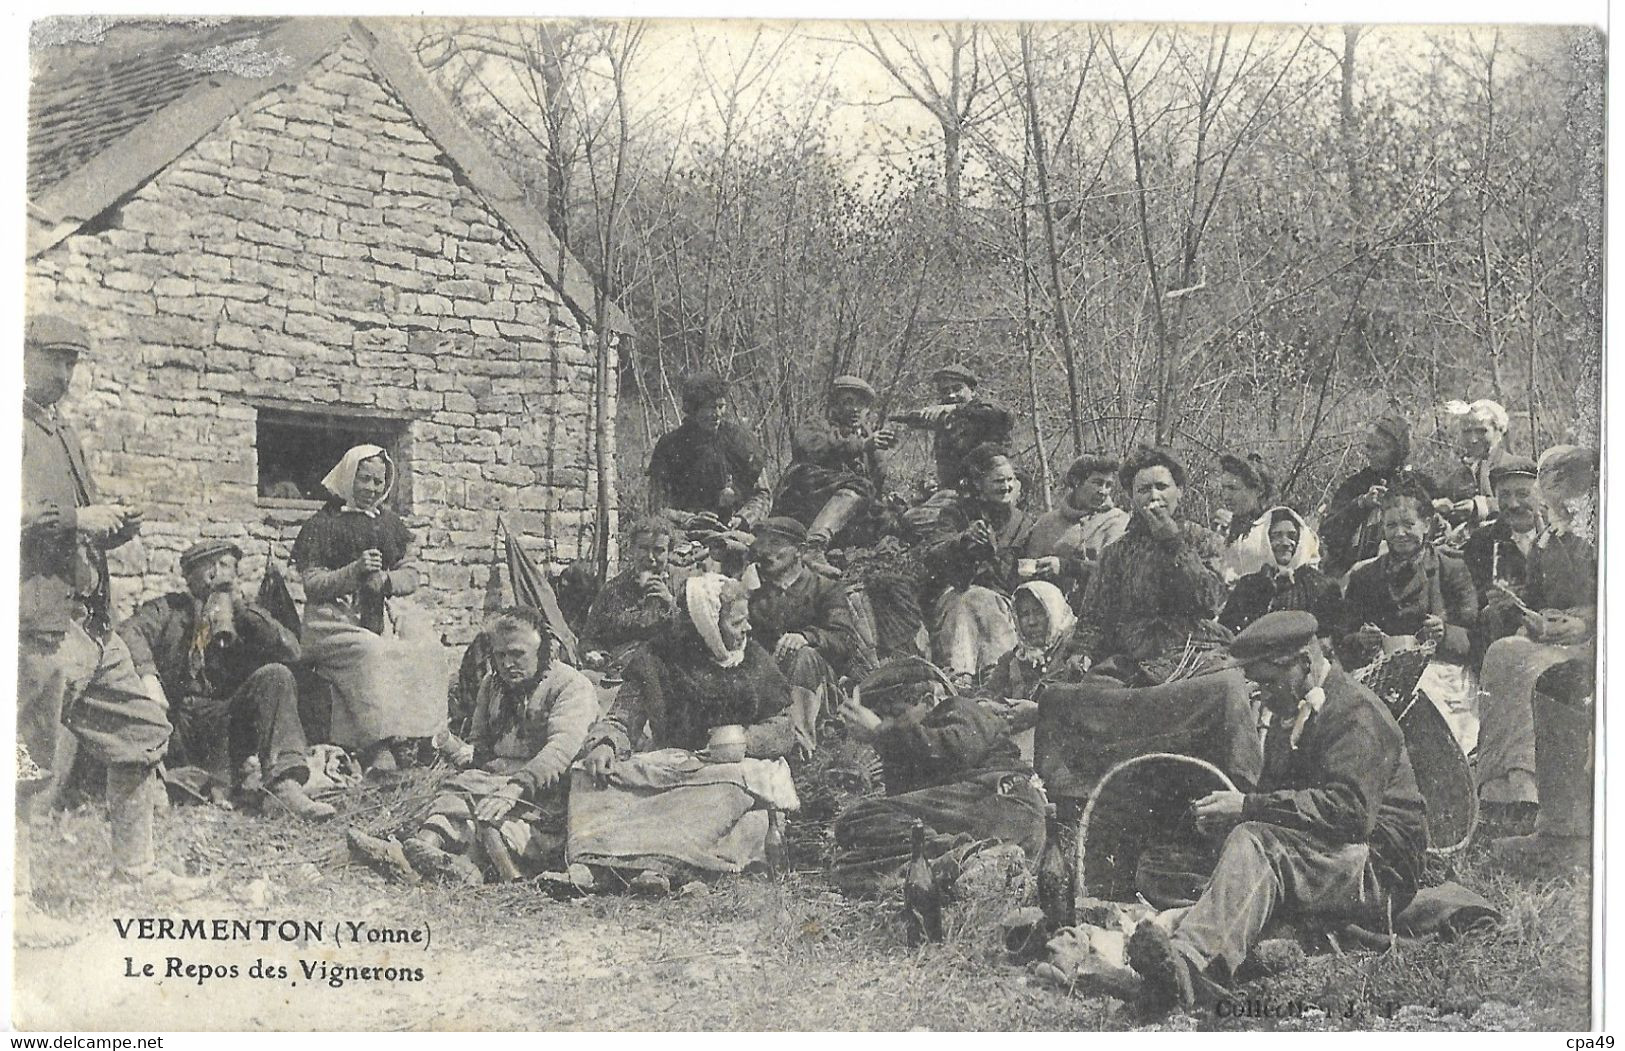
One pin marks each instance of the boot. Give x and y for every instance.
(379, 761)
(291, 794)
(429, 859)
(129, 812)
(383, 856)
(837, 512)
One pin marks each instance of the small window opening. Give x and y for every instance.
(297, 447)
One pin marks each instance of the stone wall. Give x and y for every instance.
(318, 249)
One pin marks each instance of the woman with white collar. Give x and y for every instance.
(354, 557)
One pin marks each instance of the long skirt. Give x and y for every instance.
(1086, 728)
(669, 812)
(872, 836)
(382, 685)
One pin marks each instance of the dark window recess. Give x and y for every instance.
(297, 448)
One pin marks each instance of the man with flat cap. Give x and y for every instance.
(72, 672)
(224, 665)
(1336, 828)
(960, 422)
(803, 619)
(1499, 551)
(837, 468)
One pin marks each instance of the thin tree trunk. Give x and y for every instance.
(1028, 347)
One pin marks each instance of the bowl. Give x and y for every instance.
(726, 744)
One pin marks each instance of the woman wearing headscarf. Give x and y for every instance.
(1044, 624)
(1351, 524)
(648, 800)
(1291, 579)
(1245, 489)
(354, 557)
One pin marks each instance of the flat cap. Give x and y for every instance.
(53, 332)
(1277, 634)
(854, 383)
(1512, 467)
(955, 372)
(780, 526)
(204, 550)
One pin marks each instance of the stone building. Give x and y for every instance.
(284, 241)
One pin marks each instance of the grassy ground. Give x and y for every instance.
(747, 955)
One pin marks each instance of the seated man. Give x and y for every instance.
(1413, 594)
(948, 763)
(837, 468)
(635, 603)
(1535, 745)
(1499, 552)
(530, 721)
(222, 664)
(1335, 829)
(959, 422)
(651, 800)
(801, 618)
(709, 465)
(1081, 527)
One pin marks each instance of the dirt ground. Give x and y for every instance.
(747, 955)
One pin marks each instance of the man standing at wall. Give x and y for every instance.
(72, 671)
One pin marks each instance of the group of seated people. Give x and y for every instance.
(665, 744)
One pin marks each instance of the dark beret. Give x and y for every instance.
(1512, 467)
(854, 383)
(49, 331)
(207, 549)
(1278, 634)
(1252, 472)
(782, 527)
(955, 372)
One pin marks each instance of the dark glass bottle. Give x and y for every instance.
(1056, 889)
(922, 898)
(778, 854)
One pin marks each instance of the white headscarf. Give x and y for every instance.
(1254, 545)
(340, 481)
(1056, 611)
(702, 594)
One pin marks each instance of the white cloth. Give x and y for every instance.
(1252, 552)
(340, 481)
(703, 597)
(1058, 616)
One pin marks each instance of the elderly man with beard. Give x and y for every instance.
(223, 666)
(1335, 829)
(1499, 552)
(530, 721)
(709, 465)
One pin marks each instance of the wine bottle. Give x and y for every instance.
(778, 857)
(922, 898)
(1056, 889)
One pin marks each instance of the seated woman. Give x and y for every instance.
(1245, 489)
(1414, 594)
(948, 764)
(355, 558)
(1085, 522)
(1159, 680)
(1351, 524)
(1468, 496)
(530, 721)
(652, 805)
(1290, 580)
(1150, 609)
(972, 556)
(1535, 743)
(1044, 625)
